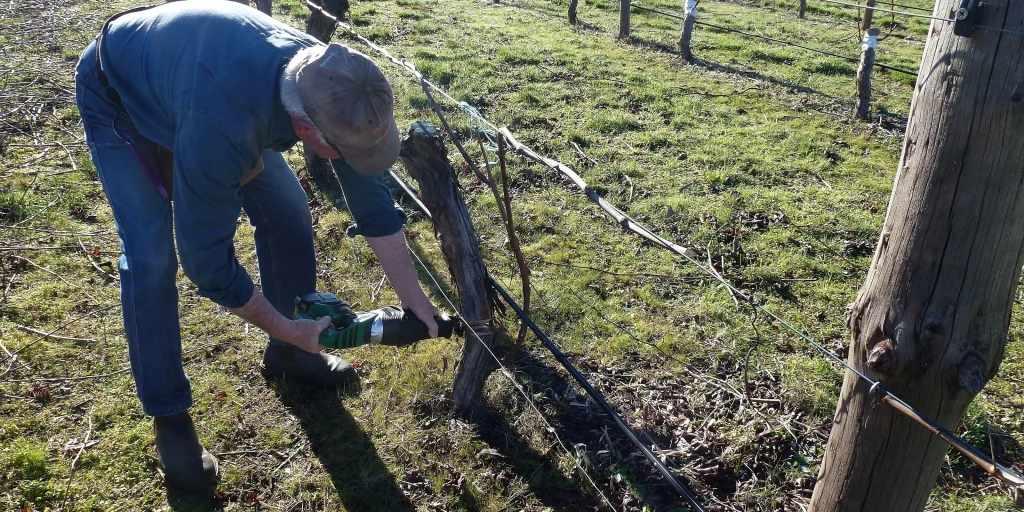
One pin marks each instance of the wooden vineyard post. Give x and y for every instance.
(930, 322)
(803, 9)
(624, 6)
(264, 6)
(572, 11)
(426, 158)
(865, 21)
(867, 61)
(320, 169)
(684, 39)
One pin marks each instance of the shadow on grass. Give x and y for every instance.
(593, 438)
(347, 453)
(361, 479)
(538, 470)
(746, 73)
(586, 432)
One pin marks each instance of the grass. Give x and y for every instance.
(750, 156)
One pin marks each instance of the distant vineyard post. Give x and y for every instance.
(867, 62)
(265, 6)
(931, 320)
(624, 7)
(687, 35)
(426, 158)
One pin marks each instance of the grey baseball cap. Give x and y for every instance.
(351, 102)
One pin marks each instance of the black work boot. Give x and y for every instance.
(187, 465)
(320, 370)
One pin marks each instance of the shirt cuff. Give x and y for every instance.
(383, 224)
(236, 295)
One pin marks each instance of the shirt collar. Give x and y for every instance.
(282, 136)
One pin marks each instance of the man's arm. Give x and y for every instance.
(393, 254)
(208, 170)
(304, 334)
(373, 209)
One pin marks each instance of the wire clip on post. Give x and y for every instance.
(967, 16)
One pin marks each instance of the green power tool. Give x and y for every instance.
(385, 326)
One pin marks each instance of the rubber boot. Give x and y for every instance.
(187, 465)
(319, 370)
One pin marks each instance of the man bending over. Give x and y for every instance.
(187, 107)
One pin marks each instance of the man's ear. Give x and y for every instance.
(303, 128)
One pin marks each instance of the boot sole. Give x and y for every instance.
(193, 489)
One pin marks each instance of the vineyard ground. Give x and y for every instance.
(750, 156)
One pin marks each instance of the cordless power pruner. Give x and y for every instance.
(385, 326)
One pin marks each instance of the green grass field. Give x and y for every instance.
(750, 156)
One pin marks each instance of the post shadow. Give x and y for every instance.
(537, 468)
(583, 431)
(592, 427)
(746, 73)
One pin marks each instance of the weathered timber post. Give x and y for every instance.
(803, 9)
(687, 35)
(624, 6)
(320, 169)
(867, 61)
(264, 6)
(932, 317)
(322, 27)
(426, 158)
(572, 11)
(865, 20)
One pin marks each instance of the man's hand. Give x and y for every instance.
(425, 311)
(306, 333)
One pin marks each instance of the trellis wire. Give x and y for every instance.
(598, 398)
(505, 371)
(882, 9)
(992, 467)
(904, 6)
(478, 127)
(773, 39)
(915, 15)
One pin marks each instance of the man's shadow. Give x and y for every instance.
(360, 478)
(347, 453)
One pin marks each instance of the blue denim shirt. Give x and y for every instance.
(201, 78)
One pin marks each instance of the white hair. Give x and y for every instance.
(290, 89)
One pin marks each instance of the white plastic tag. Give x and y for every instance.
(691, 8)
(869, 41)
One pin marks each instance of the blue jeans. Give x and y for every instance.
(274, 202)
